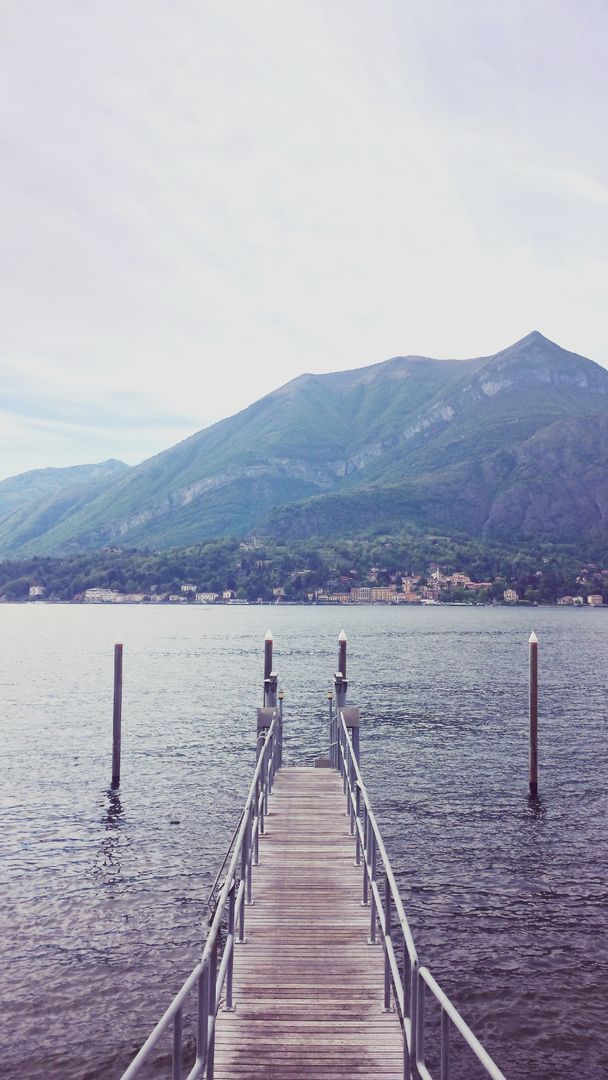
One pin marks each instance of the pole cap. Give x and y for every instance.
(533, 640)
(268, 636)
(342, 636)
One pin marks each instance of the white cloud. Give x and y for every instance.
(201, 201)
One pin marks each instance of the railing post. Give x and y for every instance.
(228, 1007)
(249, 853)
(388, 936)
(414, 1016)
(176, 1070)
(202, 1014)
(352, 722)
(445, 1045)
(260, 800)
(365, 900)
(244, 876)
(332, 746)
(406, 980)
(280, 731)
(372, 914)
(212, 1011)
(420, 1048)
(357, 818)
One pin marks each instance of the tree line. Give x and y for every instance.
(252, 570)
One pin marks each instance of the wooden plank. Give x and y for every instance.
(308, 988)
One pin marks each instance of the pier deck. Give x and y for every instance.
(308, 988)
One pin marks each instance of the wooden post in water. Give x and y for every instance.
(270, 677)
(342, 654)
(533, 755)
(341, 682)
(268, 640)
(340, 688)
(117, 715)
(268, 643)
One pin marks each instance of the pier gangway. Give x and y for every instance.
(309, 970)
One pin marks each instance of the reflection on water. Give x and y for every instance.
(104, 890)
(112, 844)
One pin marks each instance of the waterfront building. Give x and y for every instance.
(362, 595)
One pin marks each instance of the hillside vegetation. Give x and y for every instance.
(511, 447)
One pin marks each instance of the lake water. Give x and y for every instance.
(103, 897)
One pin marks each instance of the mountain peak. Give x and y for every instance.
(535, 335)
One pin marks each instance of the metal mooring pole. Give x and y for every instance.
(533, 755)
(341, 685)
(268, 642)
(117, 715)
(342, 653)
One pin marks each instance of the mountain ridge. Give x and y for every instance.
(409, 440)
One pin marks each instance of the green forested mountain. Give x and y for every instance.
(506, 446)
(36, 501)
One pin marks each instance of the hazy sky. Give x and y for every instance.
(202, 200)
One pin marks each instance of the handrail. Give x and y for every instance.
(214, 970)
(449, 1012)
(210, 907)
(405, 981)
(404, 986)
(369, 845)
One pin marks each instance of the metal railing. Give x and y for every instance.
(212, 976)
(405, 981)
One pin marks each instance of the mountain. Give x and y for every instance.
(36, 501)
(510, 445)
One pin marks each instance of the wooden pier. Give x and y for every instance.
(308, 988)
(309, 970)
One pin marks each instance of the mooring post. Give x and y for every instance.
(533, 755)
(340, 687)
(342, 639)
(117, 714)
(268, 643)
(270, 676)
(271, 697)
(341, 683)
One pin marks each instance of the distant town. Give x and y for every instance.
(435, 587)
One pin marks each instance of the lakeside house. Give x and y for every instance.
(98, 595)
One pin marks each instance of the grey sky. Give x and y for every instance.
(201, 200)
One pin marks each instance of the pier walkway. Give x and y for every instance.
(309, 970)
(307, 986)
